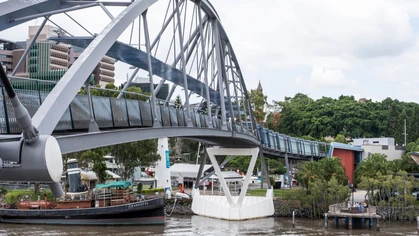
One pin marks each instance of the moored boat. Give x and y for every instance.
(135, 213)
(113, 204)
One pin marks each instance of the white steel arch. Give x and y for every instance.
(50, 112)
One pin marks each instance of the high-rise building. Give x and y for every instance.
(7, 54)
(6, 60)
(46, 57)
(103, 72)
(49, 60)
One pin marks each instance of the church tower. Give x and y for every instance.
(260, 87)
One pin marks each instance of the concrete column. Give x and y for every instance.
(350, 223)
(163, 165)
(326, 221)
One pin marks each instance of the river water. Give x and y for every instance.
(197, 225)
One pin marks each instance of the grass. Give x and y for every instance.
(288, 194)
(13, 196)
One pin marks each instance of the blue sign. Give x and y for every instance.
(167, 159)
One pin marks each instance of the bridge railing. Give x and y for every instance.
(292, 145)
(131, 110)
(135, 110)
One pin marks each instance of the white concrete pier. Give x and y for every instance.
(233, 207)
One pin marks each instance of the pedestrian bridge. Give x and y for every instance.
(132, 115)
(190, 51)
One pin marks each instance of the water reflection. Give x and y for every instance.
(197, 225)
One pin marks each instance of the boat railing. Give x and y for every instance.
(72, 196)
(113, 196)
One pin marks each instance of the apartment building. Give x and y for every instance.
(49, 60)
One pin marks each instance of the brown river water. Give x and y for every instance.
(197, 225)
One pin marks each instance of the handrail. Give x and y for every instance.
(269, 139)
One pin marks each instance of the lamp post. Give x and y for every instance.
(351, 187)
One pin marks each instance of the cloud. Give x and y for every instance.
(299, 46)
(285, 34)
(298, 81)
(330, 78)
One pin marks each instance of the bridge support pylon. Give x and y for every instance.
(230, 207)
(162, 174)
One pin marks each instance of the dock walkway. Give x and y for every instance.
(341, 210)
(349, 215)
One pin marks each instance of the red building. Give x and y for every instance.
(349, 155)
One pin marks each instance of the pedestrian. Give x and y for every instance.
(365, 205)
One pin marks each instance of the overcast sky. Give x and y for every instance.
(319, 48)
(327, 48)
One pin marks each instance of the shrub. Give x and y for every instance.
(159, 190)
(272, 180)
(3, 191)
(139, 187)
(13, 196)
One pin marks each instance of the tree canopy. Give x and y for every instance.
(95, 157)
(131, 155)
(301, 115)
(242, 163)
(258, 102)
(323, 183)
(372, 166)
(325, 169)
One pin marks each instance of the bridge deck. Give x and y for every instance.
(132, 113)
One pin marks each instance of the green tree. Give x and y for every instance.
(242, 163)
(301, 116)
(95, 157)
(258, 102)
(371, 166)
(134, 154)
(139, 94)
(340, 139)
(394, 124)
(178, 102)
(307, 173)
(325, 169)
(382, 189)
(324, 183)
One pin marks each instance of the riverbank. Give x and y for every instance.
(198, 225)
(284, 208)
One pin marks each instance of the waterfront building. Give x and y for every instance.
(384, 146)
(350, 155)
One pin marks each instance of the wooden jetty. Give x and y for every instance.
(353, 216)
